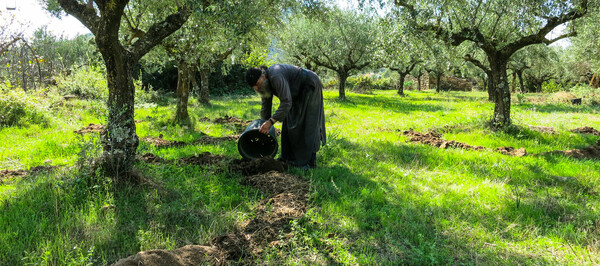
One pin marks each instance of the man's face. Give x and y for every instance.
(258, 83)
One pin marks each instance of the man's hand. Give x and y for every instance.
(265, 127)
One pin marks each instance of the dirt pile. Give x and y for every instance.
(205, 158)
(215, 140)
(286, 200)
(434, 139)
(258, 166)
(591, 152)
(150, 158)
(512, 151)
(231, 120)
(549, 130)
(586, 130)
(10, 174)
(91, 128)
(162, 143)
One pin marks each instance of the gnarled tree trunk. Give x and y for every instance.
(342, 77)
(103, 18)
(184, 73)
(401, 83)
(501, 90)
(204, 96)
(121, 138)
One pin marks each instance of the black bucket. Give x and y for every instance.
(253, 145)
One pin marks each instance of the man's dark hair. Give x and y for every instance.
(253, 74)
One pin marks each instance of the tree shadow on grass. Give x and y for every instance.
(60, 218)
(384, 214)
(400, 105)
(557, 108)
(391, 190)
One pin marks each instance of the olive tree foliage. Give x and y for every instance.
(498, 27)
(398, 50)
(339, 40)
(534, 65)
(212, 36)
(103, 18)
(438, 58)
(586, 45)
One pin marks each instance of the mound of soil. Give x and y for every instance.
(434, 139)
(231, 120)
(205, 158)
(586, 130)
(162, 143)
(10, 174)
(187, 255)
(512, 151)
(91, 128)
(549, 130)
(591, 152)
(150, 158)
(272, 219)
(214, 140)
(275, 182)
(258, 166)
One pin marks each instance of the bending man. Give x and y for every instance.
(300, 93)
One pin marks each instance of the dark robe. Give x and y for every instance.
(300, 93)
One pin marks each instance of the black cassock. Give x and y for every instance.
(300, 93)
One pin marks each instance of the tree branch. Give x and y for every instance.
(157, 32)
(477, 63)
(83, 12)
(551, 23)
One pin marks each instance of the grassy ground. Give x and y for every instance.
(375, 199)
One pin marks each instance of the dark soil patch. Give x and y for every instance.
(591, 152)
(162, 143)
(205, 158)
(512, 151)
(215, 140)
(91, 128)
(258, 166)
(586, 130)
(275, 182)
(272, 219)
(287, 200)
(11, 174)
(150, 158)
(187, 255)
(548, 130)
(231, 120)
(434, 139)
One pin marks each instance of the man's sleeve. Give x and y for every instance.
(265, 110)
(282, 89)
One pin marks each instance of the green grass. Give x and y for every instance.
(375, 198)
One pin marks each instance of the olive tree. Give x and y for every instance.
(339, 40)
(398, 50)
(498, 27)
(103, 19)
(585, 44)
